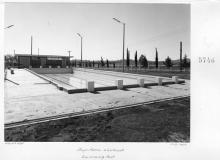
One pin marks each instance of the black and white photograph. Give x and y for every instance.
(94, 72)
(109, 80)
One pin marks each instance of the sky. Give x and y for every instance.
(54, 27)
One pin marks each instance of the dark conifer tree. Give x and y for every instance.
(156, 59)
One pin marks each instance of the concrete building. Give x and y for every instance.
(35, 61)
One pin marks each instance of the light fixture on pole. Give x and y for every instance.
(9, 26)
(123, 39)
(14, 50)
(81, 45)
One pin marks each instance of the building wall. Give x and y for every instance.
(24, 61)
(64, 62)
(36, 62)
(52, 70)
(43, 61)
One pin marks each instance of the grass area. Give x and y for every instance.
(167, 121)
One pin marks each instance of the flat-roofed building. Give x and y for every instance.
(35, 61)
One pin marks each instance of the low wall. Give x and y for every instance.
(52, 70)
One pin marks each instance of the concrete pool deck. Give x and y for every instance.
(35, 98)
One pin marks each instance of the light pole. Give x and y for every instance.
(123, 39)
(9, 26)
(14, 50)
(81, 46)
(69, 57)
(31, 44)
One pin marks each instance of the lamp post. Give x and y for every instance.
(14, 50)
(69, 57)
(31, 44)
(123, 38)
(81, 46)
(9, 26)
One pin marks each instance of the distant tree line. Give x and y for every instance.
(142, 61)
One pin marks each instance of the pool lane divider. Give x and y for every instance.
(118, 84)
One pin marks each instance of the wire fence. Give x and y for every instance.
(139, 69)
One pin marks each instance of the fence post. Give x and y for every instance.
(119, 84)
(159, 81)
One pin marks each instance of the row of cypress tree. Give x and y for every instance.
(142, 59)
(144, 62)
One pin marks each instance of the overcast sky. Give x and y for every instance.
(54, 27)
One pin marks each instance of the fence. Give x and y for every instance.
(139, 69)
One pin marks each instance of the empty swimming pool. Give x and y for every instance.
(102, 79)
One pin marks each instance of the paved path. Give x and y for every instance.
(35, 98)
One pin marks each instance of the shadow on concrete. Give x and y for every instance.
(148, 87)
(125, 89)
(96, 92)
